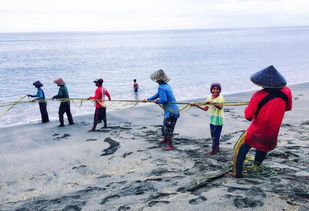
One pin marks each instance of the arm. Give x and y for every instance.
(40, 95)
(162, 97)
(204, 108)
(108, 95)
(250, 110)
(220, 102)
(96, 94)
(289, 105)
(59, 95)
(154, 96)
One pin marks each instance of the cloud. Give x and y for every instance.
(100, 15)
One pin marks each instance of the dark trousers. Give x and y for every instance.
(65, 108)
(215, 132)
(43, 110)
(243, 150)
(169, 124)
(99, 115)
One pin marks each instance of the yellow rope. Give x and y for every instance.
(11, 106)
(186, 107)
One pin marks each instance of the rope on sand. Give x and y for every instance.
(79, 103)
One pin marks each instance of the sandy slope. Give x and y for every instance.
(44, 167)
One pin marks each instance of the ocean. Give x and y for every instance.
(192, 58)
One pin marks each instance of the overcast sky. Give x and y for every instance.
(119, 15)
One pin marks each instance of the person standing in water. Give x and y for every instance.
(135, 86)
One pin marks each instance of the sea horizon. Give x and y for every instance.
(192, 58)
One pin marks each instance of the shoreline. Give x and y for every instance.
(228, 96)
(123, 168)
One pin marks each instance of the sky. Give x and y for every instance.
(124, 15)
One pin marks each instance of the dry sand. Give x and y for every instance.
(44, 167)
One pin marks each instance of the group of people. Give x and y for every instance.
(63, 95)
(64, 105)
(265, 110)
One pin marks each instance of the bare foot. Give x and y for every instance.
(231, 174)
(168, 148)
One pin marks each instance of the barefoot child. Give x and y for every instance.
(40, 96)
(135, 86)
(266, 110)
(100, 111)
(216, 115)
(165, 96)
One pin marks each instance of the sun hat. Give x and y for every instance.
(98, 80)
(159, 75)
(37, 84)
(217, 84)
(268, 78)
(59, 82)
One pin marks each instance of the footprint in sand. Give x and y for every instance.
(197, 200)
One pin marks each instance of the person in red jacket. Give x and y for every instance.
(100, 110)
(265, 111)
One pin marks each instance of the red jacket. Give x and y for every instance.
(262, 133)
(100, 93)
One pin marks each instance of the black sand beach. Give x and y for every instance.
(122, 167)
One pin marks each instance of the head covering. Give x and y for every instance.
(59, 82)
(217, 84)
(99, 81)
(37, 84)
(159, 75)
(268, 78)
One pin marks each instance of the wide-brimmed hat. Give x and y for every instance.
(268, 78)
(37, 84)
(159, 75)
(215, 84)
(98, 80)
(59, 82)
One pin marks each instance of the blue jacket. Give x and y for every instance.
(167, 99)
(39, 95)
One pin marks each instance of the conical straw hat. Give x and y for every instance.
(59, 82)
(159, 75)
(268, 78)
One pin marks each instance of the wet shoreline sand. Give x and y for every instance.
(123, 168)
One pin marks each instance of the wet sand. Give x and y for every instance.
(122, 167)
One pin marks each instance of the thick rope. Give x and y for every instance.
(104, 103)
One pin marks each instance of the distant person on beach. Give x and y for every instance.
(135, 86)
(40, 97)
(266, 110)
(100, 110)
(63, 95)
(215, 107)
(166, 98)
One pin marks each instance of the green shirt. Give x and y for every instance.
(216, 115)
(62, 93)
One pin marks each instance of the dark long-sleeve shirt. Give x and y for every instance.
(62, 93)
